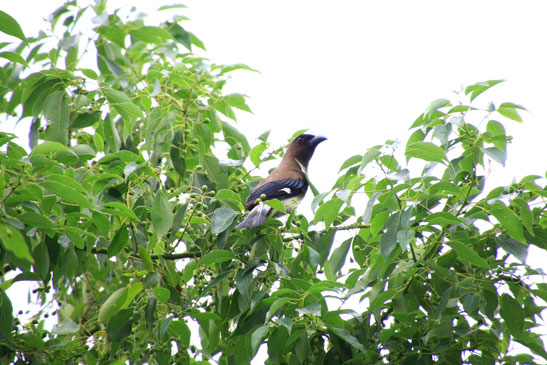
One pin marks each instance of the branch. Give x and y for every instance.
(338, 228)
(178, 256)
(166, 256)
(471, 185)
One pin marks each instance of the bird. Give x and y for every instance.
(287, 182)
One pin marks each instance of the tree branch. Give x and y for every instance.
(166, 256)
(338, 228)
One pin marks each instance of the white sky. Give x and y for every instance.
(360, 72)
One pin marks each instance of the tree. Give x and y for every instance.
(123, 214)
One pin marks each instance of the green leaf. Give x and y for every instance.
(417, 136)
(497, 154)
(112, 305)
(338, 257)
(495, 128)
(180, 34)
(176, 152)
(508, 220)
(480, 87)
(425, 151)
(149, 311)
(257, 337)
(525, 214)
(84, 152)
(227, 194)
(370, 204)
(514, 247)
(388, 241)
(90, 73)
(348, 337)
(318, 200)
(13, 241)
(67, 193)
(66, 327)
(276, 343)
(57, 113)
(49, 147)
(119, 325)
(161, 214)
(513, 314)
(237, 101)
(146, 259)
(324, 245)
(222, 219)
(34, 219)
(369, 156)
(188, 272)
(41, 260)
(14, 57)
(256, 152)
(435, 105)
(151, 279)
(222, 106)
(443, 219)
(442, 132)
(86, 119)
(179, 330)
(219, 278)
(216, 256)
(132, 292)
(119, 241)
(276, 306)
(6, 316)
(509, 110)
(122, 104)
(238, 66)
(68, 181)
(125, 156)
(10, 26)
(534, 342)
(276, 204)
(119, 209)
(404, 237)
(234, 137)
(353, 160)
(467, 255)
(161, 293)
(328, 211)
(150, 34)
(111, 134)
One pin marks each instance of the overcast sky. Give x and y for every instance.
(360, 72)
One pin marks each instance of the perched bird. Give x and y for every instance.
(287, 182)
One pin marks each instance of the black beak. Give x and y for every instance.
(316, 140)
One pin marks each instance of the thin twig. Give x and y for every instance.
(338, 228)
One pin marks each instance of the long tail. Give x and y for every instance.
(258, 216)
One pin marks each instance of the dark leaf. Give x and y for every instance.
(119, 241)
(513, 314)
(222, 219)
(338, 257)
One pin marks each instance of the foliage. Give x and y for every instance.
(123, 215)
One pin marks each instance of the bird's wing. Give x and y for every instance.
(278, 189)
(258, 216)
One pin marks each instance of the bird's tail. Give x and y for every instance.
(258, 216)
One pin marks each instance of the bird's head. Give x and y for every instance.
(302, 147)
